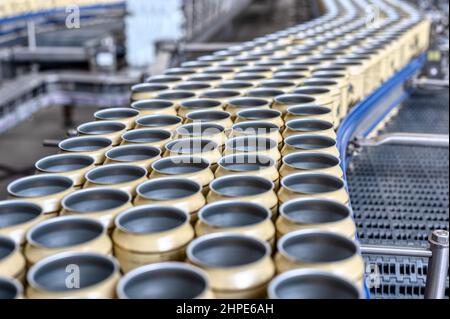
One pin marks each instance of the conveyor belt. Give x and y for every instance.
(400, 193)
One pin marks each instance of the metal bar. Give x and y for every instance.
(196, 47)
(412, 139)
(395, 251)
(431, 82)
(31, 34)
(437, 265)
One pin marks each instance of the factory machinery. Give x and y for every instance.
(252, 172)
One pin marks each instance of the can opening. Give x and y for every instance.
(115, 174)
(39, 185)
(312, 183)
(85, 144)
(116, 114)
(159, 120)
(239, 186)
(97, 128)
(310, 142)
(17, 212)
(180, 165)
(314, 211)
(64, 163)
(7, 247)
(309, 125)
(168, 189)
(95, 200)
(8, 290)
(133, 153)
(152, 105)
(309, 161)
(146, 136)
(234, 214)
(205, 116)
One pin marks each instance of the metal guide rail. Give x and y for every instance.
(306, 92)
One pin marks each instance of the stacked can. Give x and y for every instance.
(223, 176)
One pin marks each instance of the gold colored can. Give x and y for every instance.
(244, 164)
(245, 103)
(210, 131)
(151, 234)
(236, 217)
(61, 234)
(125, 177)
(17, 217)
(223, 95)
(45, 190)
(10, 288)
(309, 126)
(285, 101)
(320, 250)
(310, 143)
(168, 280)
(181, 193)
(74, 166)
(257, 128)
(312, 284)
(140, 155)
(312, 213)
(123, 115)
(109, 129)
(317, 185)
(154, 107)
(95, 147)
(250, 188)
(160, 122)
(204, 148)
(150, 137)
(215, 117)
(12, 263)
(202, 104)
(315, 162)
(253, 145)
(190, 167)
(102, 204)
(264, 115)
(309, 112)
(227, 258)
(55, 277)
(147, 91)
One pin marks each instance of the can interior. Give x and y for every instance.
(201, 104)
(312, 142)
(147, 220)
(248, 102)
(159, 120)
(312, 183)
(16, 213)
(39, 186)
(64, 163)
(7, 247)
(191, 146)
(205, 78)
(289, 76)
(116, 114)
(255, 69)
(133, 153)
(101, 127)
(249, 77)
(7, 290)
(293, 99)
(146, 136)
(277, 84)
(320, 83)
(165, 283)
(168, 189)
(240, 186)
(310, 161)
(198, 129)
(228, 251)
(236, 85)
(221, 93)
(312, 212)
(218, 70)
(152, 105)
(259, 114)
(96, 200)
(93, 269)
(246, 162)
(164, 79)
(176, 95)
(205, 116)
(318, 247)
(308, 110)
(180, 165)
(179, 72)
(309, 125)
(315, 286)
(64, 232)
(234, 214)
(312, 91)
(115, 174)
(193, 86)
(265, 93)
(85, 144)
(252, 144)
(256, 128)
(149, 87)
